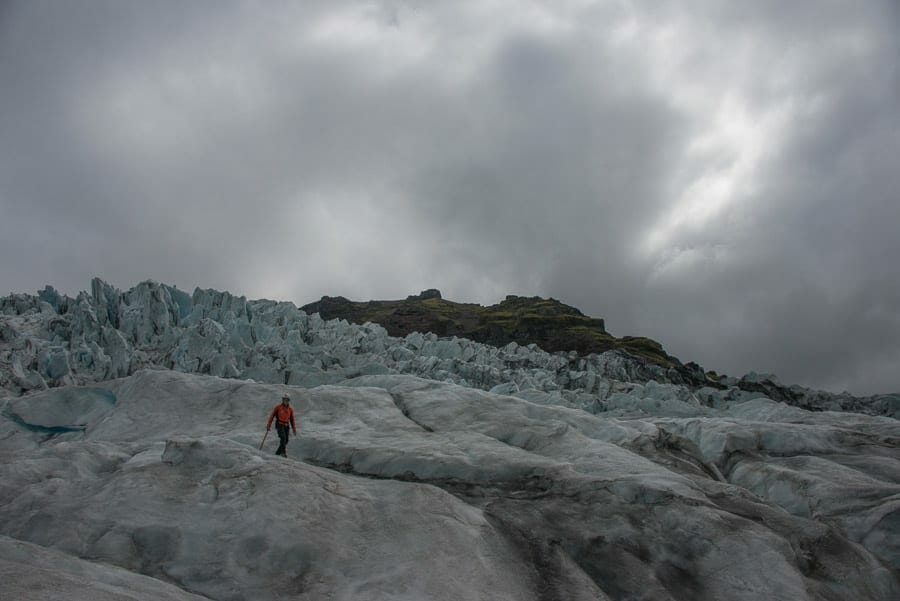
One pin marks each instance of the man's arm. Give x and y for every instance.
(293, 423)
(271, 417)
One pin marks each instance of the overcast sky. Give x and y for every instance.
(723, 177)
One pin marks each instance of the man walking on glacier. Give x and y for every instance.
(283, 416)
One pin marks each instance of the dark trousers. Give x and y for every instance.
(284, 433)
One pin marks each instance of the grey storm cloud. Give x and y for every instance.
(719, 176)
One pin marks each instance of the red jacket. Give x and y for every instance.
(285, 415)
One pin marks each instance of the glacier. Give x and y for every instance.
(425, 468)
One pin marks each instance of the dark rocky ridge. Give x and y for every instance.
(559, 328)
(550, 324)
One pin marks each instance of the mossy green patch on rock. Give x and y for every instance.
(548, 323)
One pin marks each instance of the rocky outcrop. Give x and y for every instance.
(548, 323)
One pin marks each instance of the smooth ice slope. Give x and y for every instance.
(33, 573)
(404, 488)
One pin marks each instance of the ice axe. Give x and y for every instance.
(264, 440)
